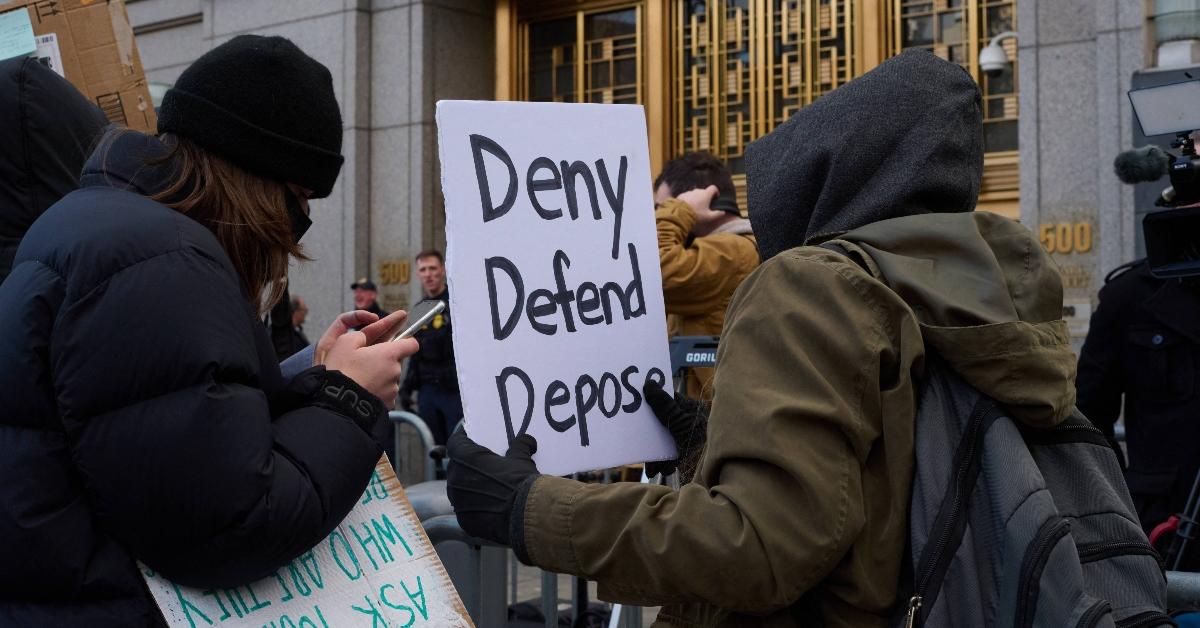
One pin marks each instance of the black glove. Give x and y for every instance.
(406, 401)
(686, 418)
(486, 490)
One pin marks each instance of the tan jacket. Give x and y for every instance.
(798, 512)
(699, 278)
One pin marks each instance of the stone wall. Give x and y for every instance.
(1076, 58)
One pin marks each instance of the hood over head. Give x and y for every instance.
(49, 130)
(905, 138)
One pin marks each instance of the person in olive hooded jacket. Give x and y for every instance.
(798, 512)
(47, 132)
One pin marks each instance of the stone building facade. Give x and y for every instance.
(1077, 58)
(393, 59)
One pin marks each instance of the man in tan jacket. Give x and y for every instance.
(705, 247)
(798, 513)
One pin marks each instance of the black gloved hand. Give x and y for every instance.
(686, 418)
(406, 401)
(484, 487)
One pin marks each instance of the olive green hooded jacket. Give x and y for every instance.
(798, 512)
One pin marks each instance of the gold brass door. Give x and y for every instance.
(742, 67)
(716, 74)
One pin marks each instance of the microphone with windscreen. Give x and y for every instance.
(1142, 165)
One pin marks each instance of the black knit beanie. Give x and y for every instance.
(263, 104)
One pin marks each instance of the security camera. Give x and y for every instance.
(993, 60)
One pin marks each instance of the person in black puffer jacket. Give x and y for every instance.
(145, 416)
(48, 130)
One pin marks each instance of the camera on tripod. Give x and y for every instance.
(1172, 235)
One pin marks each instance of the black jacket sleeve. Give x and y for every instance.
(158, 382)
(1099, 384)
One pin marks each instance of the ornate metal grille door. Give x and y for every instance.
(957, 30)
(741, 67)
(590, 56)
(729, 71)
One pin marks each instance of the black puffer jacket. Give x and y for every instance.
(46, 132)
(144, 416)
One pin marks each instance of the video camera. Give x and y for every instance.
(1172, 235)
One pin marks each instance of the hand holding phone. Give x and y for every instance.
(375, 367)
(419, 315)
(708, 206)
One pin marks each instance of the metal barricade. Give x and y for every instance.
(403, 417)
(689, 352)
(1183, 591)
(477, 567)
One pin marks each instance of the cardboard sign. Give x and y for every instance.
(91, 44)
(16, 35)
(554, 279)
(376, 569)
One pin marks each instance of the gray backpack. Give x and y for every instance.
(1018, 526)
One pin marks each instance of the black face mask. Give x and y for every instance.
(300, 220)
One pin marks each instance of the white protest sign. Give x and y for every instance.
(554, 279)
(376, 569)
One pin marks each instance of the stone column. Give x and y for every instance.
(421, 51)
(1076, 61)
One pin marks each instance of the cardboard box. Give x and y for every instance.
(91, 43)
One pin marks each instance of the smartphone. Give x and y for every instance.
(726, 204)
(419, 315)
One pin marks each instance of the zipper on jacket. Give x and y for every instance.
(1099, 551)
(1093, 614)
(1146, 620)
(1069, 427)
(1031, 569)
(910, 618)
(973, 441)
(1062, 434)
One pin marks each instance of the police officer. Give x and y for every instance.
(366, 297)
(1143, 345)
(432, 375)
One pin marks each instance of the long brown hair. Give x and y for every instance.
(247, 213)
